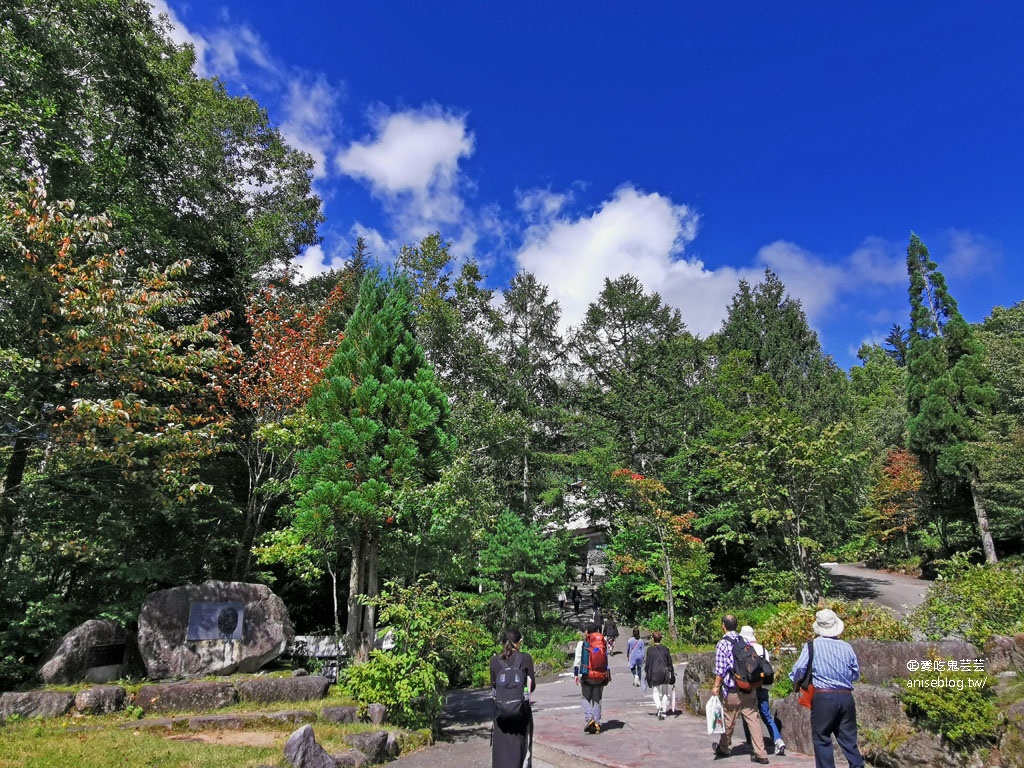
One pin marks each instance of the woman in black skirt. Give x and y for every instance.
(512, 742)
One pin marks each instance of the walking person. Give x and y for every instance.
(661, 675)
(635, 655)
(561, 600)
(590, 670)
(610, 632)
(736, 702)
(834, 669)
(512, 737)
(577, 598)
(763, 705)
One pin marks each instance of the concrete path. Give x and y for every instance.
(855, 582)
(632, 736)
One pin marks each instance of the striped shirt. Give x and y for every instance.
(835, 664)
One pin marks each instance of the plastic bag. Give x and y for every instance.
(716, 715)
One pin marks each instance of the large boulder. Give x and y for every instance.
(697, 677)
(95, 652)
(35, 704)
(172, 645)
(101, 700)
(1005, 654)
(882, 660)
(270, 689)
(185, 697)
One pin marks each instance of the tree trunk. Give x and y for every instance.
(355, 587)
(337, 618)
(370, 611)
(670, 601)
(987, 544)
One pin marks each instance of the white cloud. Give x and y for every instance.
(806, 276)
(879, 261)
(635, 232)
(414, 152)
(968, 254)
(310, 108)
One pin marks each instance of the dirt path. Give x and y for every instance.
(855, 582)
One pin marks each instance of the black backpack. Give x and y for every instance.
(509, 694)
(767, 670)
(747, 672)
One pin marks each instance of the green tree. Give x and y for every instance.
(382, 423)
(773, 328)
(948, 390)
(520, 566)
(652, 549)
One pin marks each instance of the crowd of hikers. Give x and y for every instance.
(743, 674)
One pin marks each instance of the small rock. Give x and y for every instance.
(373, 744)
(377, 713)
(101, 700)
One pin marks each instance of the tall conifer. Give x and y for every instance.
(948, 388)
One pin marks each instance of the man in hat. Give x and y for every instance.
(833, 672)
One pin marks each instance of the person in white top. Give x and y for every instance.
(747, 633)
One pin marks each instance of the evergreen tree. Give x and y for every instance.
(948, 390)
(772, 327)
(382, 432)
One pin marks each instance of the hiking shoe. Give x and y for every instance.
(780, 747)
(590, 727)
(759, 760)
(597, 728)
(720, 753)
(661, 714)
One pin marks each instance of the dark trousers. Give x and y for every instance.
(834, 713)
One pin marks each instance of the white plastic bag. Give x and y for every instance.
(716, 716)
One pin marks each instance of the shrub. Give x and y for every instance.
(973, 601)
(791, 626)
(411, 687)
(958, 705)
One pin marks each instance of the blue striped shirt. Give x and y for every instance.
(835, 664)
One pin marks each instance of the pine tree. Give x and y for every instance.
(382, 424)
(948, 388)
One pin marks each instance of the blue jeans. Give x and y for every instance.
(766, 714)
(834, 713)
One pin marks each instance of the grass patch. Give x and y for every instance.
(46, 744)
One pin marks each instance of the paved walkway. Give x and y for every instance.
(856, 582)
(632, 736)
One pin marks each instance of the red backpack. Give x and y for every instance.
(595, 660)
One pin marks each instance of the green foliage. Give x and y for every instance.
(520, 567)
(958, 705)
(973, 601)
(434, 624)
(792, 625)
(411, 687)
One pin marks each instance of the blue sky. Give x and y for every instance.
(691, 146)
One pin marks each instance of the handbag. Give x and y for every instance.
(805, 688)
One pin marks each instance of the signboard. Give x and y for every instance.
(215, 621)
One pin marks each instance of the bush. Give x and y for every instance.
(791, 626)
(962, 710)
(973, 601)
(410, 687)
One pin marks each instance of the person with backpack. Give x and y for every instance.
(512, 681)
(661, 674)
(763, 705)
(590, 669)
(576, 598)
(735, 668)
